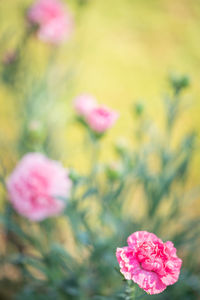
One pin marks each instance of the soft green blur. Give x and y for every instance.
(122, 51)
(128, 48)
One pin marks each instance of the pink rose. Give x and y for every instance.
(53, 20)
(149, 262)
(101, 118)
(35, 186)
(83, 104)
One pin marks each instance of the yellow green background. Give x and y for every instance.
(123, 50)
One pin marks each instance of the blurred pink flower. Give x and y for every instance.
(149, 262)
(35, 186)
(101, 118)
(53, 20)
(84, 103)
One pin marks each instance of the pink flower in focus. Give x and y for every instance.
(101, 118)
(35, 186)
(83, 104)
(53, 20)
(149, 262)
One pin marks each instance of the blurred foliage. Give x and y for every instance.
(148, 183)
(121, 47)
(102, 212)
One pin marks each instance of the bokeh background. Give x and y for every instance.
(121, 52)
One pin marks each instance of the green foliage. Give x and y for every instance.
(99, 221)
(73, 256)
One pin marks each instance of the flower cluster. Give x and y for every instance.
(53, 20)
(39, 187)
(99, 118)
(149, 262)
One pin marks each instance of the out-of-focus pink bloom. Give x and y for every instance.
(149, 262)
(35, 186)
(84, 103)
(101, 118)
(53, 20)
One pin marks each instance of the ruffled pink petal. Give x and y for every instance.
(172, 270)
(141, 236)
(149, 281)
(128, 264)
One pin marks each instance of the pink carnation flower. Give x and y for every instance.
(101, 118)
(35, 186)
(83, 104)
(53, 20)
(149, 262)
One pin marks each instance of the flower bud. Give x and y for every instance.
(74, 176)
(35, 132)
(179, 82)
(138, 108)
(114, 171)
